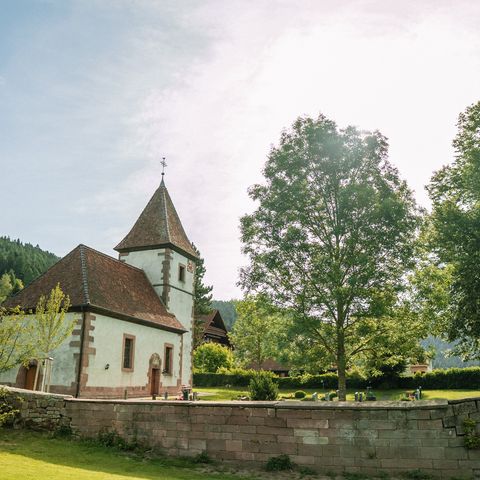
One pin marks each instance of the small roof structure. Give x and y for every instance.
(158, 226)
(97, 282)
(214, 329)
(271, 365)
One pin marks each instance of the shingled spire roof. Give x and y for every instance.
(158, 226)
(99, 283)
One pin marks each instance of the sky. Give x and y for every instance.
(94, 93)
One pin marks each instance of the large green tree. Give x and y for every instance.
(332, 236)
(455, 235)
(256, 333)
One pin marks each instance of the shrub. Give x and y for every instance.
(8, 412)
(472, 439)
(262, 386)
(282, 462)
(416, 475)
(209, 357)
(300, 394)
(451, 378)
(113, 439)
(202, 458)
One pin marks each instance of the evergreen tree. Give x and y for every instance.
(23, 260)
(201, 300)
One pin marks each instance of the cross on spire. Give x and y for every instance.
(163, 163)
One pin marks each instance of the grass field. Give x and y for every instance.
(221, 393)
(32, 456)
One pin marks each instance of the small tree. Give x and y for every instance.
(209, 357)
(50, 327)
(9, 284)
(262, 386)
(16, 345)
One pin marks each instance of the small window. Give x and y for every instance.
(168, 359)
(128, 351)
(181, 273)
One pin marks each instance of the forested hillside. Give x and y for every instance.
(23, 259)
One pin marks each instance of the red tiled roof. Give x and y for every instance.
(158, 225)
(93, 279)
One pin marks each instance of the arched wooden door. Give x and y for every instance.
(155, 368)
(30, 376)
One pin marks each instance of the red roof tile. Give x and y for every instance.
(158, 225)
(93, 279)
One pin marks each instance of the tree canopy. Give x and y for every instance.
(255, 334)
(332, 236)
(455, 236)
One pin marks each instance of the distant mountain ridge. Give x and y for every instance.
(26, 261)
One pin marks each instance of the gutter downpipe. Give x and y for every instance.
(80, 357)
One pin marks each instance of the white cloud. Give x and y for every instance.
(210, 85)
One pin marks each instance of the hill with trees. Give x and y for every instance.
(23, 261)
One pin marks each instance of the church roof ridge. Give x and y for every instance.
(93, 279)
(113, 259)
(158, 226)
(83, 266)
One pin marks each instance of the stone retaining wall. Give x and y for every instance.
(39, 411)
(334, 436)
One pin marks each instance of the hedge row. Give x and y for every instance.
(452, 378)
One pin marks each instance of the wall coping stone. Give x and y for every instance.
(36, 392)
(377, 405)
(463, 400)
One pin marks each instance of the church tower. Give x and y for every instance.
(158, 244)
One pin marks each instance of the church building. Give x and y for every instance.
(134, 315)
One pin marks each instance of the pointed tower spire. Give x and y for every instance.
(158, 226)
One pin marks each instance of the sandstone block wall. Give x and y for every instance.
(39, 411)
(334, 436)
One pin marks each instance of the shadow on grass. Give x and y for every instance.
(49, 455)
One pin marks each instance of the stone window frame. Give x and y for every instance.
(132, 352)
(182, 271)
(168, 367)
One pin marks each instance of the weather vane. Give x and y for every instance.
(163, 163)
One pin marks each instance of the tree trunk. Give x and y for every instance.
(341, 368)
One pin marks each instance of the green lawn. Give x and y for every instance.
(32, 456)
(221, 393)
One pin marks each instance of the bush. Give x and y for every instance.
(209, 357)
(8, 412)
(451, 378)
(202, 458)
(300, 394)
(262, 386)
(282, 462)
(238, 378)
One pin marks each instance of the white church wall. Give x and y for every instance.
(180, 295)
(64, 360)
(181, 304)
(150, 261)
(108, 343)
